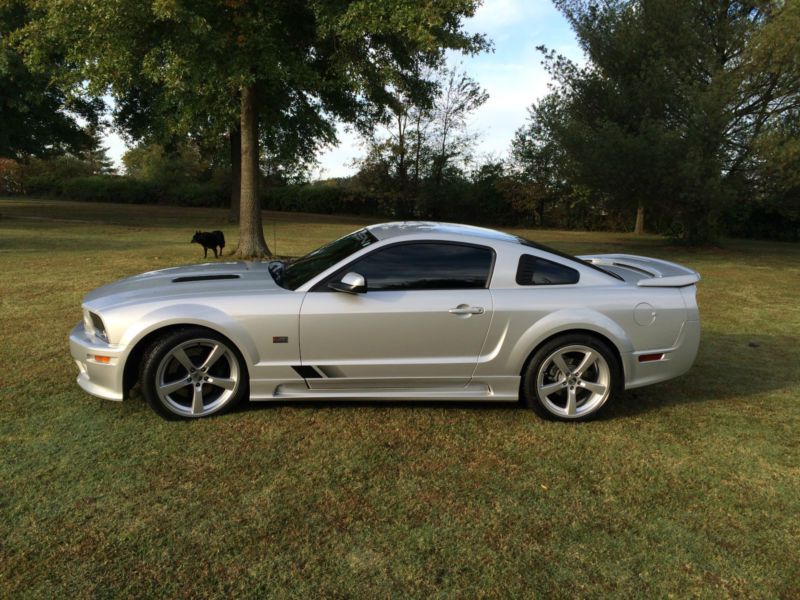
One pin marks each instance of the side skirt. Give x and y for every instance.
(490, 389)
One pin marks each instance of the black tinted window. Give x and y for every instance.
(314, 263)
(566, 256)
(533, 270)
(425, 266)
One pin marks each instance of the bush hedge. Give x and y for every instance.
(118, 188)
(111, 188)
(325, 198)
(484, 201)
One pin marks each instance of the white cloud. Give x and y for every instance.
(494, 16)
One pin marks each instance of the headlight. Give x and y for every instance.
(98, 327)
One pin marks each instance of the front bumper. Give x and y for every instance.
(100, 379)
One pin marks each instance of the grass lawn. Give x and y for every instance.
(688, 488)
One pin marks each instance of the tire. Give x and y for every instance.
(571, 396)
(193, 373)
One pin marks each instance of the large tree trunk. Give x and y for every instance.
(639, 227)
(235, 139)
(251, 233)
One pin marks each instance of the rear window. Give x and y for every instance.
(533, 270)
(566, 256)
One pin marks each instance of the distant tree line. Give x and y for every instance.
(684, 119)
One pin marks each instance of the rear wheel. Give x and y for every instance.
(571, 378)
(193, 373)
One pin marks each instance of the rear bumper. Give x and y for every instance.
(103, 380)
(677, 360)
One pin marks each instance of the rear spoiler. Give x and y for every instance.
(676, 281)
(644, 271)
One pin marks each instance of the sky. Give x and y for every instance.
(512, 75)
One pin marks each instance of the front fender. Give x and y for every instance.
(192, 314)
(568, 320)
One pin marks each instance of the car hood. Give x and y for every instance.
(180, 282)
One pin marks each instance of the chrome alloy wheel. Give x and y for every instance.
(573, 381)
(197, 377)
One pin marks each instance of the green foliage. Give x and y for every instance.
(127, 190)
(46, 177)
(114, 188)
(37, 116)
(181, 178)
(328, 197)
(667, 111)
(11, 176)
(179, 68)
(154, 164)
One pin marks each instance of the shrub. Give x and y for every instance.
(326, 198)
(111, 188)
(46, 184)
(11, 176)
(195, 193)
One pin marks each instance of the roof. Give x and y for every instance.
(384, 231)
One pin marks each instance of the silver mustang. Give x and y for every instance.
(407, 310)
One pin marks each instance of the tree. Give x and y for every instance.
(539, 161)
(776, 150)
(674, 93)
(459, 97)
(181, 163)
(96, 155)
(424, 137)
(37, 117)
(260, 64)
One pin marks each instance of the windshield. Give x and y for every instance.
(295, 274)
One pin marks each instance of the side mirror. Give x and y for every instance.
(352, 283)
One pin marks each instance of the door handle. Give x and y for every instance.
(464, 309)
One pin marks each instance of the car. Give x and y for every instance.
(394, 311)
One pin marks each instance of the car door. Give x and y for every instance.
(421, 323)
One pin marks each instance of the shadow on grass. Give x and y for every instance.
(728, 366)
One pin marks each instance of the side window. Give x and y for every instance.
(533, 270)
(426, 266)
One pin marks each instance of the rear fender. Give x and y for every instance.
(563, 321)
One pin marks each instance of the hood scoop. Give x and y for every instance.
(187, 278)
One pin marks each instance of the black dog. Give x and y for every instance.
(209, 239)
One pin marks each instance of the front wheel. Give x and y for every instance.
(571, 378)
(192, 373)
